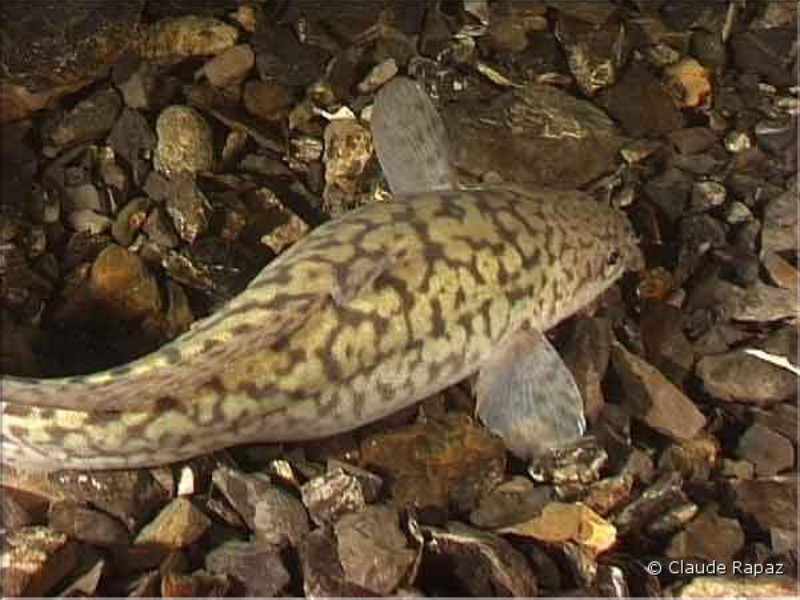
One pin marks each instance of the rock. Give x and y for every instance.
(764, 53)
(13, 514)
(692, 80)
(123, 284)
(694, 459)
(230, 66)
(586, 353)
(329, 496)
(270, 101)
(781, 272)
(371, 484)
(34, 560)
(664, 494)
(641, 104)
(665, 343)
(184, 141)
(655, 400)
(178, 525)
(561, 522)
(509, 25)
(156, 186)
(373, 551)
(708, 536)
(737, 213)
(669, 191)
(779, 230)
(513, 501)
(536, 135)
(323, 575)
(593, 12)
(88, 221)
(769, 451)
(771, 502)
(140, 85)
(607, 494)
(258, 567)
(578, 463)
(197, 585)
(594, 54)
(348, 148)
(738, 587)
(87, 525)
(129, 220)
(737, 141)
(692, 140)
(501, 564)
(159, 228)
(86, 585)
(89, 120)
(765, 303)
(737, 469)
(707, 195)
(188, 206)
(186, 36)
(279, 517)
(781, 418)
(281, 58)
(437, 464)
(131, 136)
(85, 197)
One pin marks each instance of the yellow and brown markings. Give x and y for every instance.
(365, 315)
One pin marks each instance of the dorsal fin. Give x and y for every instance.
(410, 140)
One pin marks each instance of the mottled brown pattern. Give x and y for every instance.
(289, 359)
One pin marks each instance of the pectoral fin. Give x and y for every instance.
(410, 139)
(527, 396)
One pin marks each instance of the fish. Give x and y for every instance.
(367, 314)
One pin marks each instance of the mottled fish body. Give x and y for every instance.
(367, 314)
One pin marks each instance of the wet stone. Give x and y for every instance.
(371, 484)
(771, 502)
(504, 567)
(129, 220)
(229, 67)
(764, 303)
(88, 221)
(693, 459)
(270, 101)
(189, 35)
(594, 54)
(691, 80)
(692, 140)
(89, 120)
(34, 560)
(132, 137)
(662, 495)
(769, 451)
(656, 401)
(281, 58)
(781, 272)
(87, 525)
(779, 230)
(513, 501)
(348, 148)
(437, 464)
(158, 228)
(373, 551)
(669, 191)
(764, 53)
(115, 274)
(279, 517)
(184, 141)
(178, 525)
(781, 418)
(188, 207)
(560, 523)
(738, 587)
(378, 75)
(13, 514)
(258, 567)
(607, 494)
(84, 197)
(709, 536)
(672, 520)
(707, 195)
(587, 352)
(641, 104)
(323, 575)
(666, 346)
(196, 585)
(331, 495)
(537, 134)
(580, 463)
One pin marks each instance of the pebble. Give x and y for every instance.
(373, 551)
(123, 284)
(579, 463)
(692, 140)
(132, 137)
(89, 120)
(85, 197)
(771, 502)
(140, 86)
(641, 104)
(229, 67)
(655, 500)
(606, 495)
(34, 560)
(764, 303)
(780, 417)
(694, 459)
(279, 517)
(270, 101)
(708, 536)
(184, 141)
(587, 352)
(693, 81)
(179, 525)
(781, 272)
(498, 561)
(707, 195)
(737, 141)
(737, 469)
(129, 220)
(736, 376)
(189, 35)
(438, 463)
(156, 186)
(323, 575)
(159, 228)
(199, 584)
(665, 343)
(88, 221)
(779, 229)
(13, 514)
(560, 523)
(673, 519)
(513, 501)
(348, 149)
(87, 525)
(654, 399)
(737, 213)
(259, 567)
(594, 55)
(769, 451)
(331, 495)
(188, 207)
(737, 587)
